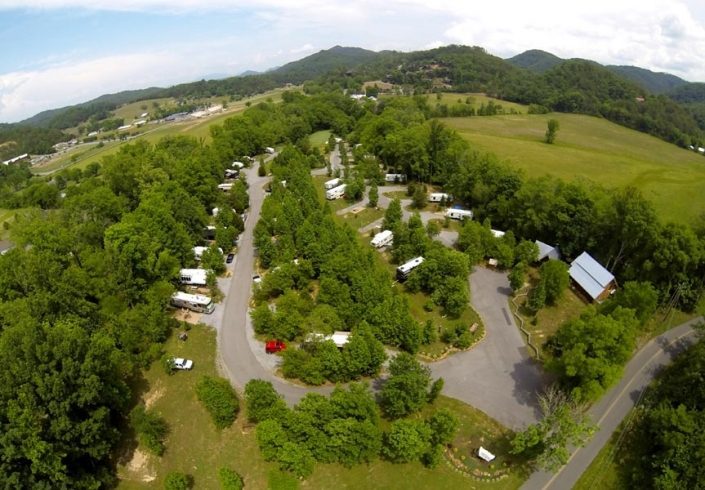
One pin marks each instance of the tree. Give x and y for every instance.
(551, 131)
(373, 195)
(212, 259)
(418, 199)
(443, 425)
(393, 215)
(296, 459)
(230, 479)
(564, 424)
(176, 480)
(641, 297)
(262, 401)
(436, 389)
(150, 428)
(554, 274)
(261, 169)
(406, 441)
(517, 276)
(537, 296)
(406, 390)
(219, 398)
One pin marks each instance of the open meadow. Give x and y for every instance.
(593, 148)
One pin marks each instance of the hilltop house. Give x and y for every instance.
(596, 281)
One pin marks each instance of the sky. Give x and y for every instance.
(61, 52)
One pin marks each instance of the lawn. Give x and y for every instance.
(8, 216)
(362, 218)
(319, 138)
(195, 447)
(593, 148)
(476, 101)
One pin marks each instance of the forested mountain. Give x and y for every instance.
(17, 139)
(535, 60)
(654, 82)
(691, 92)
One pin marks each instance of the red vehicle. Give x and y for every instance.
(273, 346)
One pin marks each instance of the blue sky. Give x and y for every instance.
(61, 52)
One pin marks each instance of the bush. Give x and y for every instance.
(151, 429)
(230, 479)
(168, 364)
(261, 170)
(219, 398)
(175, 480)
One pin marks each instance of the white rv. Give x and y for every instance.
(382, 239)
(225, 187)
(193, 277)
(335, 192)
(395, 178)
(332, 184)
(194, 302)
(198, 251)
(438, 197)
(404, 270)
(269, 150)
(238, 165)
(461, 214)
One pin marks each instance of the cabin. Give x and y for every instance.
(592, 278)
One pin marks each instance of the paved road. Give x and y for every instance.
(497, 376)
(242, 356)
(617, 403)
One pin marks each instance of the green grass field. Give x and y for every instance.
(476, 101)
(319, 138)
(199, 128)
(593, 148)
(196, 447)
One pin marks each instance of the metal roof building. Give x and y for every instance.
(592, 278)
(547, 251)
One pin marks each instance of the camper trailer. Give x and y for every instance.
(335, 192)
(438, 197)
(194, 302)
(269, 150)
(332, 184)
(395, 178)
(238, 165)
(460, 214)
(382, 239)
(198, 251)
(225, 187)
(404, 270)
(193, 277)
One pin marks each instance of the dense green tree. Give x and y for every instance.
(406, 441)
(151, 429)
(517, 276)
(175, 480)
(230, 479)
(393, 215)
(406, 389)
(373, 195)
(641, 297)
(219, 398)
(262, 401)
(552, 130)
(554, 274)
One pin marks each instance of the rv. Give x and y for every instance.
(209, 232)
(193, 277)
(338, 338)
(238, 165)
(382, 239)
(269, 150)
(194, 302)
(332, 183)
(461, 214)
(395, 178)
(335, 192)
(438, 197)
(198, 251)
(404, 270)
(231, 174)
(225, 187)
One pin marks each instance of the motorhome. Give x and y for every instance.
(194, 302)
(382, 239)
(335, 192)
(404, 270)
(394, 178)
(332, 183)
(438, 197)
(193, 277)
(457, 213)
(198, 251)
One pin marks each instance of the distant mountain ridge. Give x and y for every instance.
(540, 61)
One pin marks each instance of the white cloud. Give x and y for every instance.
(302, 49)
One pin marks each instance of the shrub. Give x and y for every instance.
(175, 480)
(230, 479)
(151, 429)
(219, 398)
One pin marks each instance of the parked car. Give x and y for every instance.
(230, 258)
(257, 279)
(181, 363)
(273, 346)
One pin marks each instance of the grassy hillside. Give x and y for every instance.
(476, 101)
(593, 148)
